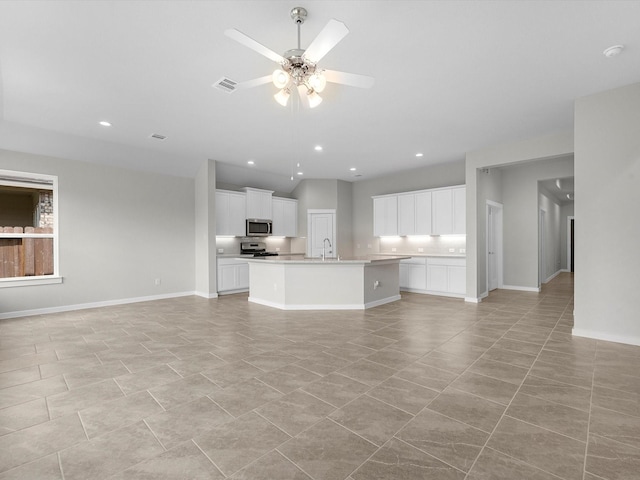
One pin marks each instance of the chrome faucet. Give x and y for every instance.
(324, 242)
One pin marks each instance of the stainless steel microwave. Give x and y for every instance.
(258, 228)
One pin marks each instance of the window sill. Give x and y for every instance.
(29, 281)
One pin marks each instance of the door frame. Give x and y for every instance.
(310, 213)
(569, 220)
(498, 242)
(542, 248)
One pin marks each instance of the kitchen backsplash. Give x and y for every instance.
(435, 245)
(273, 244)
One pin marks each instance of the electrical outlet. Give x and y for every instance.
(158, 281)
(452, 250)
(463, 250)
(368, 245)
(393, 249)
(221, 250)
(358, 245)
(420, 249)
(277, 249)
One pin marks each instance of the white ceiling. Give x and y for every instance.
(450, 77)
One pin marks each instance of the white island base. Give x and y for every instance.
(291, 283)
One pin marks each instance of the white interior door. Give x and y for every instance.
(321, 226)
(494, 246)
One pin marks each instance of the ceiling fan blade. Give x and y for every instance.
(351, 79)
(329, 37)
(302, 93)
(247, 41)
(256, 82)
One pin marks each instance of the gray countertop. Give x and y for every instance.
(297, 259)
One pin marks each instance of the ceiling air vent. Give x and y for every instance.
(157, 136)
(226, 84)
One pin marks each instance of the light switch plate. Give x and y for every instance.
(393, 249)
(221, 250)
(420, 249)
(463, 250)
(452, 250)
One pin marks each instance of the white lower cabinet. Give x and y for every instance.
(447, 276)
(413, 274)
(233, 275)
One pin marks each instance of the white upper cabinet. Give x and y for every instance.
(449, 207)
(459, 210)
(230, 213)
(284, 216)
(258, 203)
(385, 216)
(439, 211)
(414, 213)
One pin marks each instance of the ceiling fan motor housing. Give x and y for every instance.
(299, 14)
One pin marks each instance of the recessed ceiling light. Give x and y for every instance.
(613, 51)
(353, 169)
(299, 173)
(251, 162)
(419, 154)
(318, 148)
(104, 123)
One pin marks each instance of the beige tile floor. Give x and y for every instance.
(424, 388)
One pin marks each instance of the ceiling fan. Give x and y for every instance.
(298, 67)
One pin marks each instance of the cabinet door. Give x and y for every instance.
(417, 277)
(437, 278)
(457, 277)
(423, 213)
(236, 215)
(404, 275)
(459, 210)
(222, 214)
(226, 277)
(442, 203)
(290, 214)
(385, 216)
(407, 214)
(279, 227)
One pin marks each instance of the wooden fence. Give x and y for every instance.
(25, 256)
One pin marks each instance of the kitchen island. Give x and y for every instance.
(350, 283)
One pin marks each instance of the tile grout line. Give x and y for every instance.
(512, 398)
(586, 447)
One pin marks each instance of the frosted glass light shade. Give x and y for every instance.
(314, 99)
(280, 78)
(318, 82)
(282, 97)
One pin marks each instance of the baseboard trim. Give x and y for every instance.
(206, 295)
(521, 289)
(553, 276)
(579, 332)
(84, 306)
(356, 306)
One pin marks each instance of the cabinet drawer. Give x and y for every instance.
(448, 261)
(414, 261)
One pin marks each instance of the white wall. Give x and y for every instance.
(607, 181)
(205, 230)
(552, 247)
(344, 218)
(119, 231)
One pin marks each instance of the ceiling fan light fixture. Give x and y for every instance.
(314, 99)
(318, 82)
(282, 97)
(280, 78)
